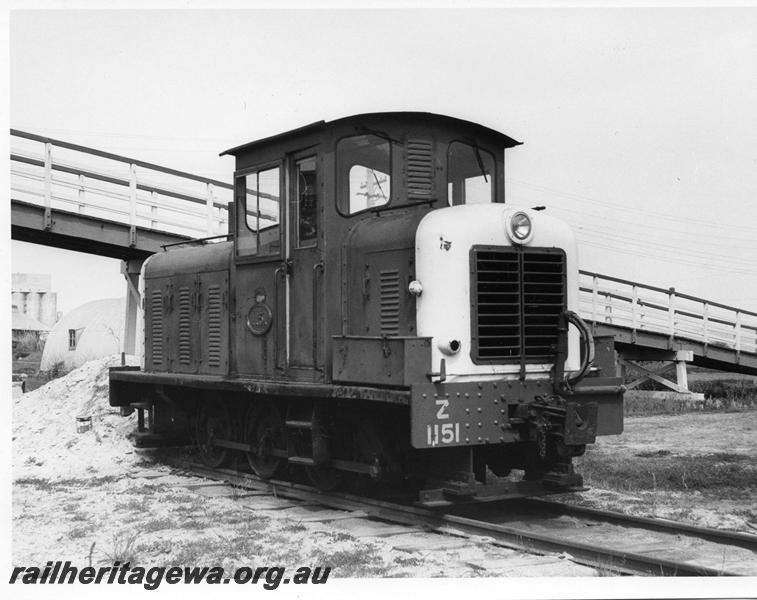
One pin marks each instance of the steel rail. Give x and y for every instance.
(619, 561)
(732, 538)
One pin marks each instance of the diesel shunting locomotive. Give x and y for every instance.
(377, 312)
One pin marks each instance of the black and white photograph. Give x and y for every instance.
(381, 298)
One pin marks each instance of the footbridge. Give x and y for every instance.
(83, 199)
(648, 323)
(78, 198)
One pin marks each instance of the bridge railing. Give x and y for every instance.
(640, 307)
(58, 175)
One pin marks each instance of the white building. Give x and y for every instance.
(92, 330)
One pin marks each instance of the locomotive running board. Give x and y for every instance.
(477, 493)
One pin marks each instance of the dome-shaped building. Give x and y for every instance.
(90, 331)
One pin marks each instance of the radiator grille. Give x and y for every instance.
(389, 282)
(518, 296)
(156, 326)
(214, 326)
(185, 326)
(420, 170)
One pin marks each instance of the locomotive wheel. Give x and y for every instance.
(213, 422)
(325, 478)
(264, 431)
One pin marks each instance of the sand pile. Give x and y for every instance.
(45, 441)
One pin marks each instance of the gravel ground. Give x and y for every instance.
(92, 499)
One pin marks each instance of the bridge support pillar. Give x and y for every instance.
(130, 270)
(681, 376)
(669, 358)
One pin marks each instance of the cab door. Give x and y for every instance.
(260, 272)
(305, 268)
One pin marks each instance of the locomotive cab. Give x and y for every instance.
(379, 311)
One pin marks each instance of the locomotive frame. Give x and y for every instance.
(319, 334)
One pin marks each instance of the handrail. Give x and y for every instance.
(56, 166)
(117, 157)
(172, 197)
(668, 291)
(683, 316)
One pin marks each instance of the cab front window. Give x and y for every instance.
(470, 174)
(364, 179)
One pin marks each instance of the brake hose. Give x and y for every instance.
(588, 341)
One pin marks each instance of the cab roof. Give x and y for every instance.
(389, 117)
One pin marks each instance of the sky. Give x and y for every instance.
(638, 124)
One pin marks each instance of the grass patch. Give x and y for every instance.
(135, 504)
(720, 395)
(237, 547)
(36, 482)
(89, 482)
(725, 474)
(147, 488)
(158, 524)
(79, 532)
(360, 561)
(410, 561)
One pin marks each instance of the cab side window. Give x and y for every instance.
(469, 174)
(259, 194)
(307, 203)
(364, 173)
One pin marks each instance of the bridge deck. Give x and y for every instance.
(646, 317)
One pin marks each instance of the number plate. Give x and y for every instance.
(457, 414)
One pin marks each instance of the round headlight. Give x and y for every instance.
(519, 227)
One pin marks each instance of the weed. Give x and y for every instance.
(338, 536)
(191, 553)
(158, 524)
(37, 482)
(147, 488)
(363, 561)
(79, 532)
(88, 482)
(124, 549)
(650, 453)
(135, 504)
(410, 561)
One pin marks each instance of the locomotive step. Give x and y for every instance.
(299, 424)
(301, 460)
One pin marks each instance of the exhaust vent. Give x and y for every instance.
(214, 326)
(389, 281)
(420, 170)
(185, 326)
(156, 326)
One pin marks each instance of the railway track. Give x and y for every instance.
(609, 541)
